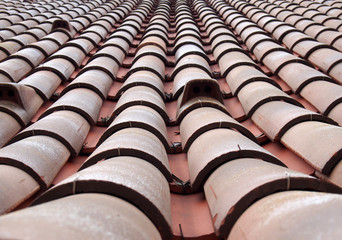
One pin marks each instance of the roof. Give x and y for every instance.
(170, 119)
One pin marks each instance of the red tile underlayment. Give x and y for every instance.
(170, 119)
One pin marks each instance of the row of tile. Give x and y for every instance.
(321, 33)
(229, 200)
(140, 116)
(138, 126)
(42, 83)
(36, 34)
(288, 121)
(190, 56)
(331, 8)
(321, 55)
(17, 15)
(313, 14)
(95, 216)
(297, 73)
(127, 151)
(60, 11)
(63, 127)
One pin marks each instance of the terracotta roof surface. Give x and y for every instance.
(170, 119)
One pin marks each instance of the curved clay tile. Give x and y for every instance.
(184, 76)
(112, 51)
(67, 127)
(199, 93)
(184, 20)
(275, 61)
(131, 26)
(140, 117)
(73, 54)
(162, 15)
(231, 16)
(7, 48)
(83, 101)
(44, 82)
(335, 176)
(156, 30)
(187, 32)
(141, 95)
(8, 128)
(228, 200)
(118, 42)
(252, 31)
(262, 49)
(14, 69)
(92, 37)
(216, 39)
(32, 56)
(226, 48)
(19, 101)
(96, 80)
(204, 119)
(306, 47)
(255, 94)
(191, 61)
(40, 156)
(298, 76)
(149, 63)
(59, 37)
(119, 33)
(319, 144)
(46, 46)
(129, 29)
(6, 33)
(275, 118)
(16, 187)
(323, 95)
(137, 17)
(110, 217)
(216, 24)
(335, 114)
(79, 23)
(129, 178)
(62, 67)
(186, 40)
(162, 28)
(240, 76)
(265, 21)
(330, 36)
(147, 50)
(184, 17)
(149, 39)
(232, 59)
(106, 64)
(108, 25)
(328, 60)
(272, 217)
(143, 78)
(282, 31)
(97, 29)
(254, 40)
(203, 157)
(241, 25)
(136, 142)
(189, 49)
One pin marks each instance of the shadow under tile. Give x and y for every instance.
(92, 139)
(235, 109)
(191, 217)
(105, 112)
(290, 159)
